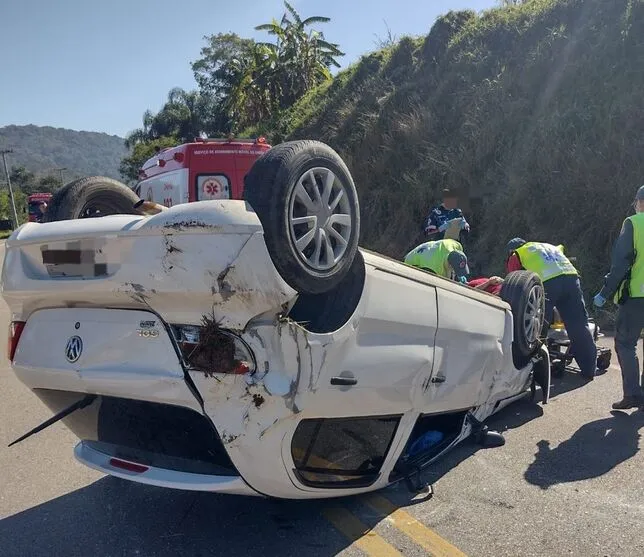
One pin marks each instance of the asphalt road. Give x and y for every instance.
(569, 481)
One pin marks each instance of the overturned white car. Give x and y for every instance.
(250, 347)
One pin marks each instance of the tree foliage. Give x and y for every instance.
(241, 83)
(24, 183)
(20, 199)
(217, 71)
(28, 182)
(141, 152)
(43, 149)
(185, 115)
(298, 60)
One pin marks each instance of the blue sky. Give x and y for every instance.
(97, 65)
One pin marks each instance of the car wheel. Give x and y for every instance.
(305, 198)
(523, 290)
(94, 196)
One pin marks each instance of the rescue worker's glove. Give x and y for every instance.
(599, 300)
(443, 227)
(462, 280)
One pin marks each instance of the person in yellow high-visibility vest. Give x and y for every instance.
(443, 257)
(624, 283)
(563, 291)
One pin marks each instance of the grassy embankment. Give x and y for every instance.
(536, 112)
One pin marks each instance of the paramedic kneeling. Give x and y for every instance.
(625, 281)
(563, 290)
(443, 257)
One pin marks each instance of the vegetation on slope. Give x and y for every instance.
(42, 149)
(41, 153)
(535, 109)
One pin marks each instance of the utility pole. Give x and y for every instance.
(62, 180)
(5, 152)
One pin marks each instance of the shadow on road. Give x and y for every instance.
(511, 417)
(516, 415)
(113, 517)
(595, 449)
(570, 380)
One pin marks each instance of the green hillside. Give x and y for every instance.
(42, 149)
(536, 112)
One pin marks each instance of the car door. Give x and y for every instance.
(468, 353)
(358, 396)
(386, 355)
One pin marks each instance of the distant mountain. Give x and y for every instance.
(41, 149)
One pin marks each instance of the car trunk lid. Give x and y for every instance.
(194, 259)
(113, 352)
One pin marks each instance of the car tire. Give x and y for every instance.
(523, 290)
(306, 200)
(83, 197)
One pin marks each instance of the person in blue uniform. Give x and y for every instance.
(439, 218)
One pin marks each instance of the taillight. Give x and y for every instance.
(129, 466)
(212, 350)
(15, 330)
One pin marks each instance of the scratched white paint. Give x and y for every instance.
(277, 383)
(416, 343)
(198, 258)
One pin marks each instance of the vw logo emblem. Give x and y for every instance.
(74, 349)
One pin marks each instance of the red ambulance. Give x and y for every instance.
(202, 170)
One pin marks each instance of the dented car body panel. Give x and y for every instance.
(412, 346)
(178, 263)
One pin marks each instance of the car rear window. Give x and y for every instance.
(351, 447)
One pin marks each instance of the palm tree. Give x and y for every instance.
(184, 115)
(251, 100)
(255, 81)
(140, 135)
(303, 58)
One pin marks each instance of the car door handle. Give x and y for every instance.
(438, 379)
(344, 381)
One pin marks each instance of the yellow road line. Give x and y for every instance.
(416, 530)
(363, 537)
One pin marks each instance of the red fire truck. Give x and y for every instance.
(34, 202)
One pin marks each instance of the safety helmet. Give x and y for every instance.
(514, 244)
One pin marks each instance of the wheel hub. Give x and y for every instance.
(323, 216)
(320, 219)
(533, 315)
